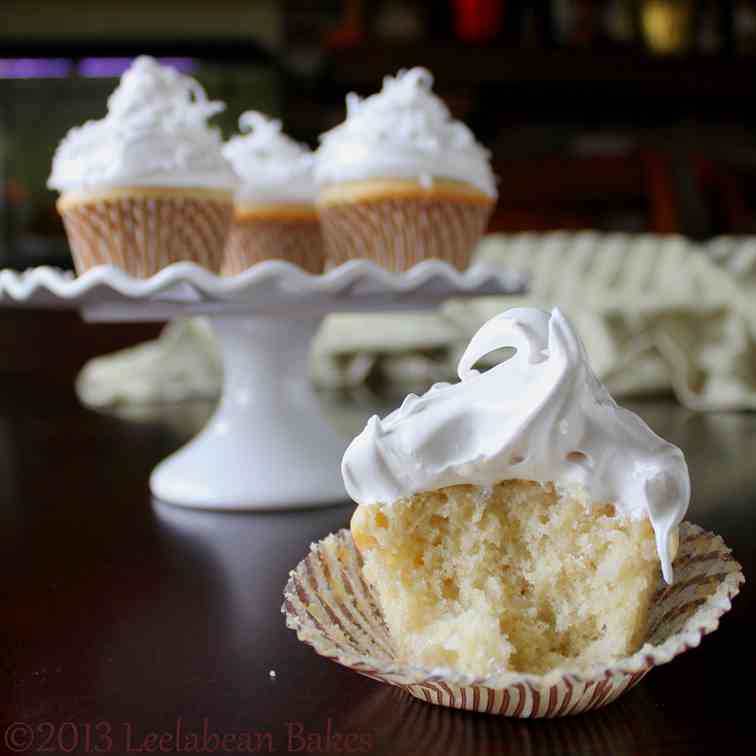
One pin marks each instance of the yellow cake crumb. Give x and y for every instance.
(519, 577)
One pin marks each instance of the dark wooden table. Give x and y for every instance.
(123, 618)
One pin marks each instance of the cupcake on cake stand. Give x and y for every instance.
(400, 180)
(274, 203)
(146, 185)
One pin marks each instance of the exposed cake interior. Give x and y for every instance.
(521, 577)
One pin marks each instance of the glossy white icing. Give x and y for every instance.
(271, 166)
(404, 131)
(541, 415)
(154, 134)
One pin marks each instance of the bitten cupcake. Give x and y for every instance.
(274, 215)
(516, 521)
(147, 185)
(400, 181)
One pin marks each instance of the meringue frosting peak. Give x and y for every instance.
(405, 131)
(541, 415)
(271, 166)
(155, 133)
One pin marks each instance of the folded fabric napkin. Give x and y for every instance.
(656, 314)
(184, 363)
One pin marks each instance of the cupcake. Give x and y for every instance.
(274, 205)
(516, 521)
(147, 185)
(400, 181)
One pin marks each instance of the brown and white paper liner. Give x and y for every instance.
(143, 234)
(295, 240)
(399, 233)
(331, 607)
(398, 718)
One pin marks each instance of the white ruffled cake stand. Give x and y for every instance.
(268, 445)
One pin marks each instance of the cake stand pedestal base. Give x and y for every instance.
(268, 445)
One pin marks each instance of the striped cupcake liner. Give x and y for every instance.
(144, 234)
(251, 241)
(331, 607)
(399, 233)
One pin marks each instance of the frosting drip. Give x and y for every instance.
(541, 415)
(154, 134)
(404, 131)
(271, 166)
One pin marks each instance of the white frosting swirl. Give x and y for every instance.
(542, 415)
(272, 167)
(155, 134)
(404, 131)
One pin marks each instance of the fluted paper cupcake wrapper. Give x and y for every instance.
(330, 606)
(399, 233)
(143, 234)
(252, 241)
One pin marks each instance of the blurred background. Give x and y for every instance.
(627, 115)
(622, 125)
